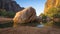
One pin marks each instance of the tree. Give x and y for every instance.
(43, 18)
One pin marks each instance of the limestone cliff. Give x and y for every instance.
(50, 4)
(10, 5)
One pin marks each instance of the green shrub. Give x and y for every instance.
(10, 14)
(43, 18)
(4, 13)
(56, 24)
(56, 16)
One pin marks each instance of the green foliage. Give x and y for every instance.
(3, 13)
(43, 16)
(53, 11)
(10, 14)
(56, 16)
(7, 13)
(56, 24)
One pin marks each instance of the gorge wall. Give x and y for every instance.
(10, 5)
(51, 3)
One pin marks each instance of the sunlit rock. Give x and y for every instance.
(25, 16)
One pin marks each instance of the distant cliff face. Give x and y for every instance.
(10, 5)
(50, 4)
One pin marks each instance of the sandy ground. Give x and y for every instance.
(29, 30)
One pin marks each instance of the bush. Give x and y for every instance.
(56, 16)
(53, 24)
(56, 24)
(10, 14)
(52, 11)
(43, 18)
(7, 13)
(3, 13)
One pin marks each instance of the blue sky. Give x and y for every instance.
(37, 4)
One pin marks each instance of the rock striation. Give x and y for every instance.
(10, 5)
(51, 3)
(25, 16)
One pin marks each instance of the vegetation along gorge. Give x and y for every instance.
(15, 19)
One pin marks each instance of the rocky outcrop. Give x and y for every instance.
(25, 16)
(38, 19)
(51, 3)
(10, 5)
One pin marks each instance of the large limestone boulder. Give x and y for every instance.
(25, 16)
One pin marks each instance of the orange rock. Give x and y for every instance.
(51, 3)
(25, 16)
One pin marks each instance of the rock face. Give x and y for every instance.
(38, 19)
(51, 3)
(25, 16)
(10, 5)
